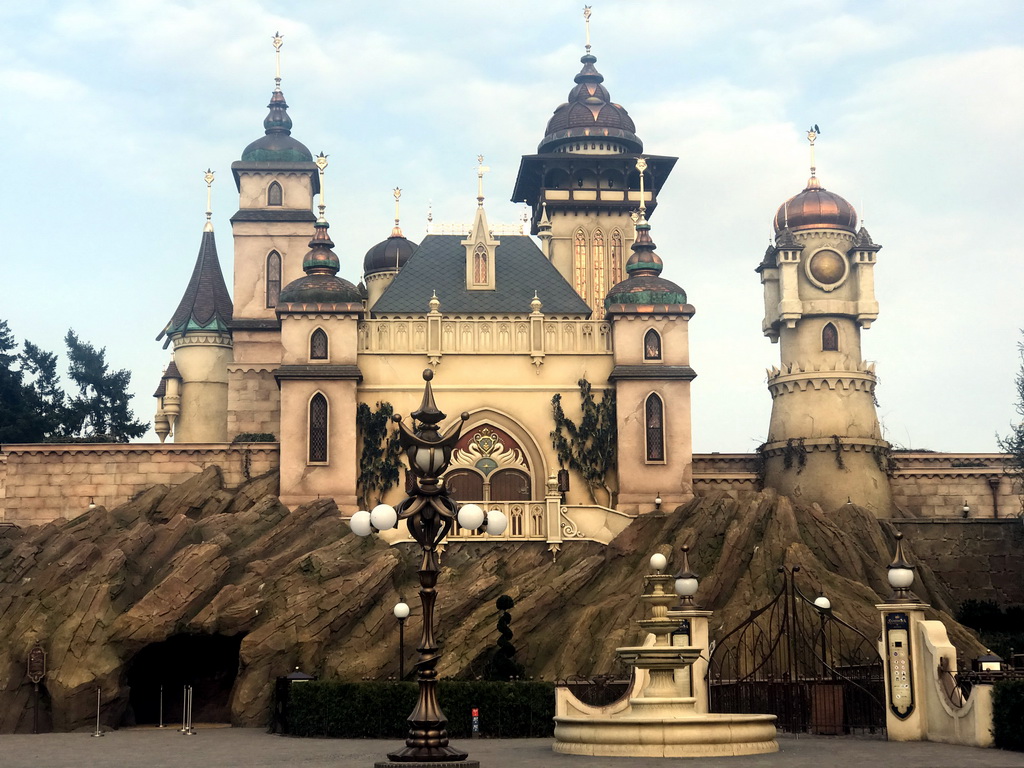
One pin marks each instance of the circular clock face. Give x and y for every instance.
(827, 267)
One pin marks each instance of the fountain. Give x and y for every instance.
(664, 713)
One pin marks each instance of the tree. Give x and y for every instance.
(380, 457)
(1013, 443)
(50, 402)
(18, 415)
(590, 448)
(100, 409)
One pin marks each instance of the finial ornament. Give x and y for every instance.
(321, 164)
(586, 21)
(812, 134)
(481, 169)
(397, 231)
(208, 178)
(278, 42)
(641, 166)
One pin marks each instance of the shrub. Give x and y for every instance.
(1008, 714)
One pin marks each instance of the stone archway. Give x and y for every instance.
(209, 663)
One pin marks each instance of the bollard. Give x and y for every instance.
(97, 732)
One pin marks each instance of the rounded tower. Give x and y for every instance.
(824, 441)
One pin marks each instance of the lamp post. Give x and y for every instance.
(824, 606)
(901, 576)
(429, 515)
(401, 613)
(686, 583)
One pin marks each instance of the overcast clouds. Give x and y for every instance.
(113, 110)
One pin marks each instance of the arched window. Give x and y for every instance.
(652, 345)
(579, 261)
(273, 279)
(616, 257)
(655, 428)
(480, 266)
(318, 429)
(597, 251)
(510, 485)
(465, 485)
(318, 345)
(274, 196)
(829, 338)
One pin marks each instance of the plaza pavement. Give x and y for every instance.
(254, 748)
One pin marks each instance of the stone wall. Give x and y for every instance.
(39, 483)
(930, 485)
(979, 559)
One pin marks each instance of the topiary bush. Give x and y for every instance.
(1008, 714)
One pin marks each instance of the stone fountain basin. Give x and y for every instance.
(659, 656)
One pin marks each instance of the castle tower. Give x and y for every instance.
(824, 442)
(276, 180)
(383, 261)
(652, 374)
(582, 185)
(318, 376)
(193, 394)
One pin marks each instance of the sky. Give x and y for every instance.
(114, 108)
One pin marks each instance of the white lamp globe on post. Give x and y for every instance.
(383, 517)
(822, 603)
(686, 583)
(495, 523)
(401, 611)
(360, 523)
(471, 516)
(658, 562)
(901, 576)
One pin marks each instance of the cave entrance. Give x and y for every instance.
(209, 663)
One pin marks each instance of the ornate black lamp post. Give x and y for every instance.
(429, 514)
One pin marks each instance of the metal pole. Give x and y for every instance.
(97, 732)
(35, 709)
(184, 707)
(401, 649)
(190, 731)
(161, 725)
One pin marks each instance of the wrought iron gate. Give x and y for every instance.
(802, 663)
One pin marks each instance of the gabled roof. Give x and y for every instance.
(206, 304)
(439, 265)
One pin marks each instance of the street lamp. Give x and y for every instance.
(966, 510)
(401, 610)
(686, 583)
(901, 576)
(429, 515)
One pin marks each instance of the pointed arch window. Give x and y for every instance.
(829, 338)
(480, 265)
(616, 260)
(318, 429)
(273, 279)
(652, 345)
(274, 194)
(597, 252)
(318, 345)
(579, 262)
(654, 423)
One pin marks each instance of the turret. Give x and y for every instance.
(384, 260)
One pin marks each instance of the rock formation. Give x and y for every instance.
(299, 590)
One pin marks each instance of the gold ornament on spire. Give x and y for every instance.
(481, 169)
(641, 166)
(586, 21)
(208, 178)
(321, 164)
(812, 134)
(397, 231)
(278, 42)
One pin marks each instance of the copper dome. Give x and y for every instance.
(388, 255)
(644, 284)
(590, 114)
(320, 284)
(816, 208)
(277, 145)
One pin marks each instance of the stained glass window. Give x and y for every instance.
(318, 345)
(655, 429)
(318, 429)
(273, 278)
(652, 345)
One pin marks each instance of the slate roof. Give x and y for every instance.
(439, 264)
(206, 304)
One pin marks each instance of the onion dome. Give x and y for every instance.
(277, 145)
(816, 208)
(644, 285)
(205, 305)
(321, 285)
(388, 255)
(589, 113)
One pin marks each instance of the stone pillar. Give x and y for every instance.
(906, 715)
(693, 679)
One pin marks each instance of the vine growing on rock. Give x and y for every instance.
(794, 452)
(589, 448)
(380, 458)
(837, 443)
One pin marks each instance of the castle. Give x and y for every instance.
(272, 374)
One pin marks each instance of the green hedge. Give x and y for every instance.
(1008, 714)
(379, 710)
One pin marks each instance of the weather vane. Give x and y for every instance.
(481, 169)
(321, 163)
(586, 21)
(641, 166)
(278, 42)
(208, 178)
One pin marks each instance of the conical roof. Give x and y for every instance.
(206, 305)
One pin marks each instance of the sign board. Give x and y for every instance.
(36, 664)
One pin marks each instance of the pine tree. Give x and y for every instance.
(100, 409)
(49, 400)
(1013, 443)
(18, 416)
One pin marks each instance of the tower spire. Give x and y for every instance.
(813, 134)
(278, 42)
(397, 231)
(641, 166)
(586, 22)
(208, 178)
(321, 164)
(481, 169)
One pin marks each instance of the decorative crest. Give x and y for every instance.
(278, 42)
(208, 178)
(481, 169)
(321, 164)
(586, 21)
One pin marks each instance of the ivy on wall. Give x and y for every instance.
(380, 458)
(590, 448)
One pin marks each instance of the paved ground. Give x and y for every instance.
(253, 748)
